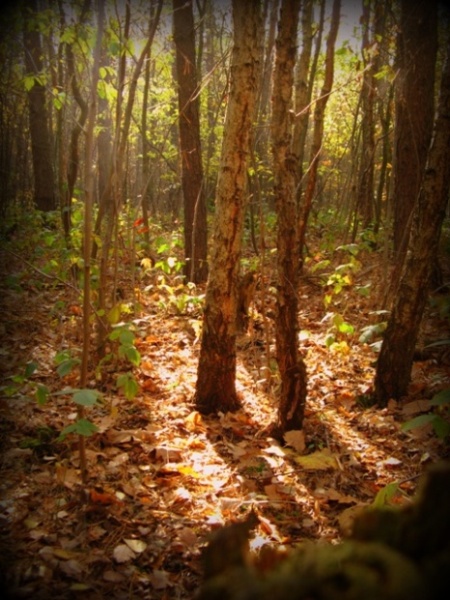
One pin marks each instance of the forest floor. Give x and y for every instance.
(160, 476)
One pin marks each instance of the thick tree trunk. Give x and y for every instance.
(414, 109)
(396, 355)
(195, 233)
(41, 146)
(215, 388)
(291, 367)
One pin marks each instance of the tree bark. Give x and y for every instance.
(291, 367)
(414, 109)
(365, 199)
(319, 112)
(216, 387)
(303, 91)
(396, 355)
(195, 232)
(41, 144)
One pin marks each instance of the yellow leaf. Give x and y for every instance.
(137, 546)
(317, 461)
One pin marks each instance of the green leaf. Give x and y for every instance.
(386, 494)
(80, 427)
(441, 427)
(66, 366)
(42, 394)
(126, 337)
(86, 397)
(131, 353)
(419, 421)
(441, 398)
(30, 368)
(128, 384)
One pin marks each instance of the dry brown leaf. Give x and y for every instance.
(296, 439)
(160, 579)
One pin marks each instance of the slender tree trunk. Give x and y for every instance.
(41, 142)
(291, 366)
(366, 167)
(303, 91)
(88, 181)
(195, 232)
(216, 387)
(319, 113)
(396, 355)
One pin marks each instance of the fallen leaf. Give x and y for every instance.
(317, 461)
(160, 579)
(295, 439)
(71, 568)
(137, 546)
(113, 576)
(122, 553)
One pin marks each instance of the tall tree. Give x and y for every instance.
(367, 164)
(396, 355)
(41, 142)
(290, 364)
(195, 231)
(414, 109)
(317, 136)
(303, 86)
(216, 386)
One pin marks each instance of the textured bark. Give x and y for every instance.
(215, 388)
(195, 238)
(414, 110)
(396, 355)
(291, 367)
(41, 146)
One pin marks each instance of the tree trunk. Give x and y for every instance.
(291, 367)
(396, 355)
(303, 91)
(216, 387)
(41, 145)
(319, 113)
(195, 232)
(366, 168)
(414, 109)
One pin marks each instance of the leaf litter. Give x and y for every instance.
(162, 477)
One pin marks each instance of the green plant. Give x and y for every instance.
(338, 330)
(180, 299)
(439, 421)
(81, 397)
(17, 381)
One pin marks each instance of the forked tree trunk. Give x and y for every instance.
(216, 387)
(292, 369)
(396, 355)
